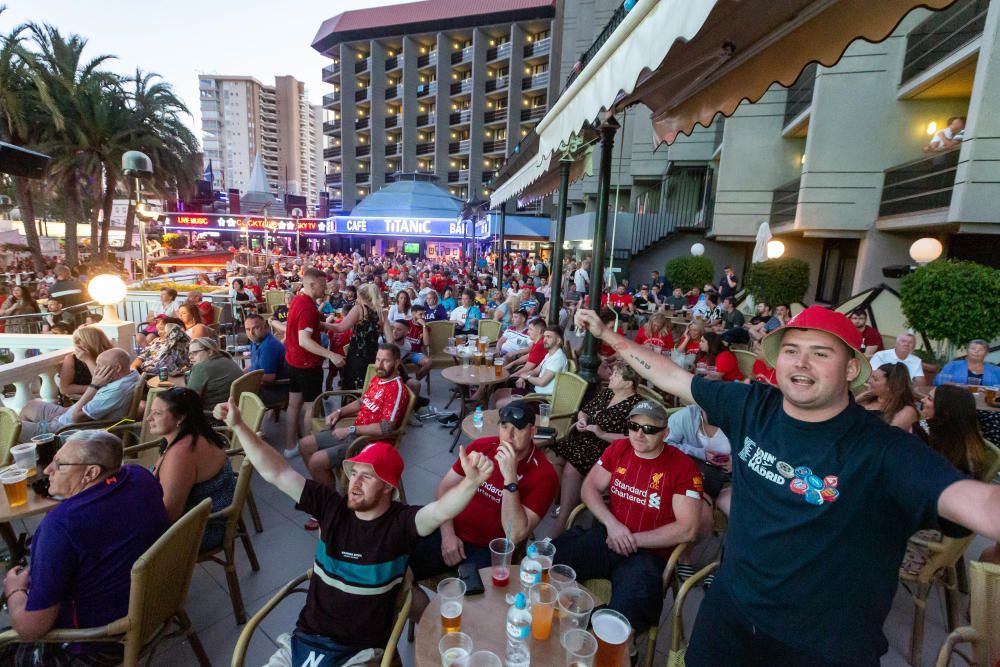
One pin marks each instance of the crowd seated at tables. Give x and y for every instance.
(654, 468)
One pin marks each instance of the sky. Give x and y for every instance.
(180, 39)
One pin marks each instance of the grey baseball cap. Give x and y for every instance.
(654, 411)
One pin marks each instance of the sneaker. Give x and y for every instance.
(311, 524)
(426, 413)
(447, 419)
(290, 453)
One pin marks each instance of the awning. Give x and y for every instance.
(688, 60)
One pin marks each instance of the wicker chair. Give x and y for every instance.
(225, 553)
(983, 634)
(602, 587)
(272, 299)
(490, 329)
(253, 411)
(10, 433)
(318, 411)
(389, 658)
(160, 581)
(131, 415)
(565, 399)
(678, 644)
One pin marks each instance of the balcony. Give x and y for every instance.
(539, 48)
(330, 72)
(331, 126)
(941, 34)
(389, 177)
(331, 152)
(334, 179)
(496, 116)
(688, 207)
(425, 148)
(361, 123)
(427, 59)
(784, 202)
(391, 149)
(458, 147)
(462, 56)
(460, 117)
(425, 119)
(464, 86)
(920, 185)
(453, 177)
(393, 63)
(424, 89)
(392, 121)
(488, 176)
(800, 94)
(502, 51)
(391, 92)
(363, 150)
(362, 94)
(536, 81)
(498, 146)
(363, 177)
(336, 204)
(612, 25)
(330, 99)
(536, 113)
(362, 65)
(498, 83)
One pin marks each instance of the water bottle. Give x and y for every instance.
(477, 417)
(518, 630)
(531, 569)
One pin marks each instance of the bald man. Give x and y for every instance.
(108, 397)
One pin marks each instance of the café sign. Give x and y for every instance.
(420, 227)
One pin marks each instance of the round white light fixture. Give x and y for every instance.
(926, 250)
(775, 249)
(108, 290)
(697, 249)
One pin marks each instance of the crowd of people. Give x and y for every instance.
(826, 426)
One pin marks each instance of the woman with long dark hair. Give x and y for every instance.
(366, 323)
(714, 353)
(891, 395)
(194, 465)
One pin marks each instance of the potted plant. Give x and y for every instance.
(175, 241)
(689, 272)
(951, 302)
(777, 281)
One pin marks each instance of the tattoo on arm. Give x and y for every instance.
(640, 361)
(386, 427)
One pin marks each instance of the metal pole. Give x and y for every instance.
(142, 228)
(589, 361)
(501, 243)
(555, 275)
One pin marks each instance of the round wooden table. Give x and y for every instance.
(36, 505)
(491, 427)
(173, 381)
(484, 619)
(463, 378)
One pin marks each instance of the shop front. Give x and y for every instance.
(434, 238)
(210, 230)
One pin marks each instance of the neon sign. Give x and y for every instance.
(424, 227)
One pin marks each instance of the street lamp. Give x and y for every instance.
(135, 166)
(697, 249)
(108, 290)
(926, 250)
(775, 249)
(296, 214)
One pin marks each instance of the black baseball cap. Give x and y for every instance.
(518, 413)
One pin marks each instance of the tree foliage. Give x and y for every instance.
(689, 271)
(776, 281)
(953, 301)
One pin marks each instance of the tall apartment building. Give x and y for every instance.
(242, 117)
(441, 86)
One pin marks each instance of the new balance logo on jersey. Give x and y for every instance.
(314, 660)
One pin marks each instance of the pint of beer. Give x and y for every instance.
(498, 366)
(451, 616)
(15, 486)
(612, 631)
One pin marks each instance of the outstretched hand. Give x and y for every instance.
(476, 466)
(228, 412)
(588, 320)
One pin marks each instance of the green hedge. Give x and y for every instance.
(689, 271)
(953, 301)
(777, 281)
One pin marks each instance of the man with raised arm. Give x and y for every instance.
(365, 542)
(825, 496)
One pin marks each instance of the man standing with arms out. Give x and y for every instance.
(365, 541)
(871, 339)
(304, 354)
(809, 467)
(581, 280)
(902, 353)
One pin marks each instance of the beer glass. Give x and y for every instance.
(455, 648)
(498, 366)
(479, 359)
(580, 648)
(612, 631)
(544, 412)
(15, 486)
(452, 594)
(543, 600)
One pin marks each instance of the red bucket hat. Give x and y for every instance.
(828, 321)
(383, 458)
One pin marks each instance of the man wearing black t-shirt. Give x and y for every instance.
(365, 541)
(825, 497)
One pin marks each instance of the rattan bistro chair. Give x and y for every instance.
(565, 399)
(602, 587)
(299, 585)
(225, 553)
(983, 632)
(318, 411)
(678, 644)
(160, 581)
(10, 433)
(131, 415)
(490, 329)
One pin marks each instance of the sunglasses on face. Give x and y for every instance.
(648, 429)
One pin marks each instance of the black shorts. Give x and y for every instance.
(305, 381)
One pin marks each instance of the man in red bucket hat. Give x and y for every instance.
(365, 542)
(825, 496)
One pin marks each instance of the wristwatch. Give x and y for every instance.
(512, 487)
(352, 429)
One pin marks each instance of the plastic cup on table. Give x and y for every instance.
(501, 551)
(466, 361)
(543, 606)
(580, 648)
(454, 647)
(480, 659)
(575, 605)
(612, 631)
(15, 486)
(26, 457)
(543, 551)
(562, 576)
(452, 594)
(544, 413)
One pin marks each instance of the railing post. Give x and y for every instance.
(589, 360)
(555, 275)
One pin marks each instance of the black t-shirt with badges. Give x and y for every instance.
(821, 513)
(358, 568)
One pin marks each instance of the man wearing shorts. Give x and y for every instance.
(304, 354)
(825, 496)
(379, 412)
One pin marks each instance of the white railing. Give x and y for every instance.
(33, 374)
(19, 344)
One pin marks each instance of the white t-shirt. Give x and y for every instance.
(912, 362)
(580, 280)
(514, 341)
(556, 362)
